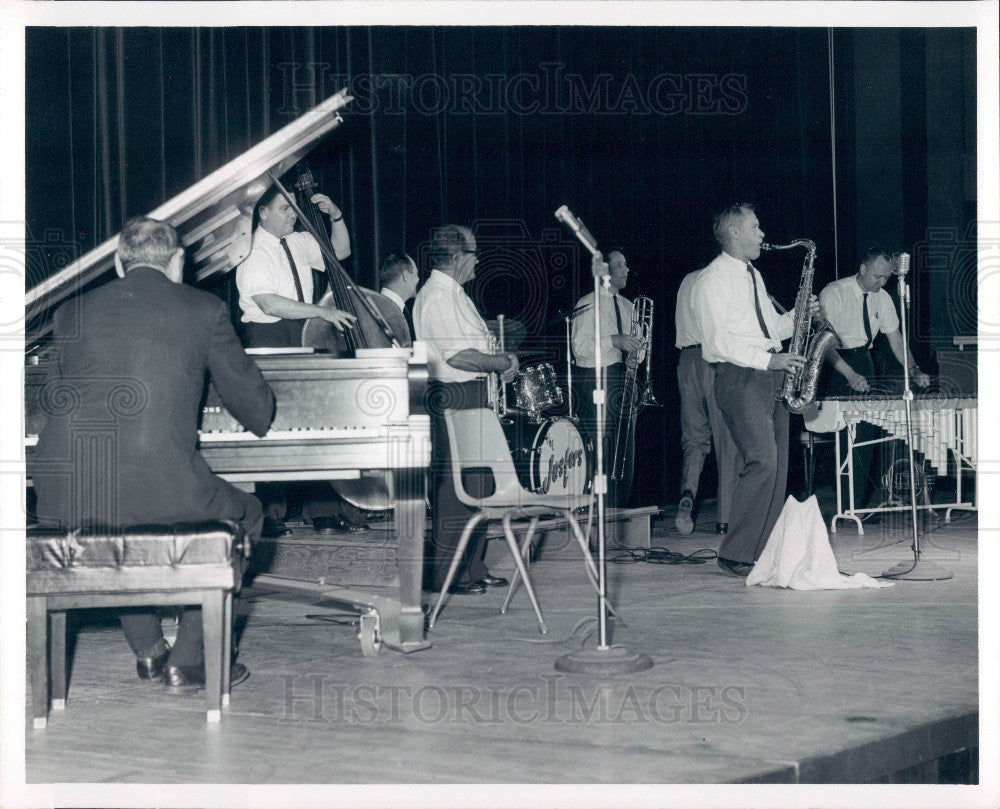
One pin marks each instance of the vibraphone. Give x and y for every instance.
(944, 433)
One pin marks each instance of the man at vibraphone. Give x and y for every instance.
(859, 308)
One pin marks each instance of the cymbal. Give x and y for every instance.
(561, 316)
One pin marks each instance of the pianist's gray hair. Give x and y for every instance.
(145, 241)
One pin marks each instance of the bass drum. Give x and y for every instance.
(550, 456)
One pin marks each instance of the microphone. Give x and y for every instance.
(902, 264)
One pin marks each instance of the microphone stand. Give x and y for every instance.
(919, 569)
(569, 366)
(604, 660)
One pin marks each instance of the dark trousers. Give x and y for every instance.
(614, 388)
(451, 514)
(865, 477)
(758, 422)
(143, 629)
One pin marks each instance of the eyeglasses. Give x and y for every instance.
(471, 252)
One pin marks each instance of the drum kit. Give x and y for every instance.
(549, 451)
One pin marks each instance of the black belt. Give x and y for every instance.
(696, 345)
(858, 350)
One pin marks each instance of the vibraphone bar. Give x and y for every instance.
(944, 433)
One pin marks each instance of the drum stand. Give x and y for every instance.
(569, 365)
(919, 569)
(605, 659)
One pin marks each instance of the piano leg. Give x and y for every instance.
(411, 514)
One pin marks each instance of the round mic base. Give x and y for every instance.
(606, 662)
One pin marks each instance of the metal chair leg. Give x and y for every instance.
(512, 544)
(474, 520)
(529, 535)
(582, 542)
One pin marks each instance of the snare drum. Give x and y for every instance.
(536, 389)
(550, 456)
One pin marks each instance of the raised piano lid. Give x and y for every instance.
(213, 217)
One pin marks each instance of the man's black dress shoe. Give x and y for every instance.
(275, 527)
(182, 680)
(494, 581)
(151, 668)
(337, 524)
(741, 569)
(462, 588)
(722, 528)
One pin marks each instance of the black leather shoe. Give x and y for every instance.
(493, 581)
(741, 569)
(463, 588)
(151, 668)
(183, 680)
(722, 528)
(275, 527)
(337, 524)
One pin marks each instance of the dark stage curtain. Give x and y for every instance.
(642, 132)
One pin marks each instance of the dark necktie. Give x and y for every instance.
(618, 314)
(295, 270)
(867, 321)
(408, 314)
(756, 302)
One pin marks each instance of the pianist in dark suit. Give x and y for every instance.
(858, 308)
(275, 285)
(132, 357)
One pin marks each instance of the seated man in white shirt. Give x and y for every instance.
(741, 335)
(459, 357)
(858, 308)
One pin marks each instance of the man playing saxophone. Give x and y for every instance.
(741, 336)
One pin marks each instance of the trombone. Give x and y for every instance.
(642, 328)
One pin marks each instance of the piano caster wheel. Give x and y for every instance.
(368, 634)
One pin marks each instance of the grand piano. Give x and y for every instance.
(342, 419)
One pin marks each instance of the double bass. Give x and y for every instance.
(370, 329)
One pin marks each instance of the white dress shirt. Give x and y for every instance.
(583, 328)
(266, 270)
(394, 297)
(724, 308)
(843, 304)
(447, 320)
(685, 323)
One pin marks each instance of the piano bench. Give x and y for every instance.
(150, 565)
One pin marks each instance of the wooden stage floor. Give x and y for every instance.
(749, 684)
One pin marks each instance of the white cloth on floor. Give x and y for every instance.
(798, 554)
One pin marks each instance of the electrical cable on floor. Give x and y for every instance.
(897, 576)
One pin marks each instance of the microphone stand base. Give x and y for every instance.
(613, 660)
(920, 570)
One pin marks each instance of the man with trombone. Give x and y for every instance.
(620, 350)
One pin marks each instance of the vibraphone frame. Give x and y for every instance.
(957, 454)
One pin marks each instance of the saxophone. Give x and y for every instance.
(799, 388)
